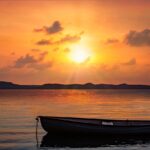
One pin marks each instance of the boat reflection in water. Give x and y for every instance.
(76, 141)
(83, 132)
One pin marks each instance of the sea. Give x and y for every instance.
(19, 109)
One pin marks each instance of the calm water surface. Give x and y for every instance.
(18, 109)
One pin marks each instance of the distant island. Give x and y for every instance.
(10, 85)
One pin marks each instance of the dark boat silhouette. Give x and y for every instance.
(84, 126)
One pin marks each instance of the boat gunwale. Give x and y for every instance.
(100, 121)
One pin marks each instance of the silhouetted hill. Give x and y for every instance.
(10, 85)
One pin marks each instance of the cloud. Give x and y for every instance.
(135, 38)
(130, 62)
(69, 38)
(29, 61)
(111, 41)
(66, 39)
(44, 42)
(54, 28)
(24, 60)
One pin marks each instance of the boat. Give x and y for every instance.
(87, 126)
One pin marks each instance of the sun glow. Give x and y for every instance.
(79, 54)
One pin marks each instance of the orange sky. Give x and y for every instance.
(71, 41)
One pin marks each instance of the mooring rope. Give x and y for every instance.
(36, 132)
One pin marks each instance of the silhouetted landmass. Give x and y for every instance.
(10, 85)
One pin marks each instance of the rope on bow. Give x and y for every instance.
(36, 131)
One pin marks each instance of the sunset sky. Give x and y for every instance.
(75, 41)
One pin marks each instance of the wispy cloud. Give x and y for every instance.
(69, 38)
(66, 39)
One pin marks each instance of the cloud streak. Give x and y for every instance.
(66, 39)
(44, 42)
(69, 38)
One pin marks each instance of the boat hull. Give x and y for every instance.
(58, 125)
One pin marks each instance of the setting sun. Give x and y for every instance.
(79, 54)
